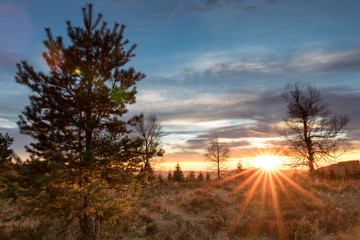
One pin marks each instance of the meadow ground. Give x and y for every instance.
(254, 204)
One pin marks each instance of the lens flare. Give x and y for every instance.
(267, 162)
(77, 71)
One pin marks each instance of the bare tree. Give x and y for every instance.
(217, 154)
(149, 130)
(312, 132)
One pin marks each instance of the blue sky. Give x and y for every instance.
(214, 67)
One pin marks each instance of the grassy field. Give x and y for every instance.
(251, 205)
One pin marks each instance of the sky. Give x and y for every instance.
(214, 67)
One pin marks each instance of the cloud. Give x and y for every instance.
(166, 12)
(345, 101)
(230, 71)
(239, 72)
(244, 86)
(205, 6)
(245, 123)
(13, 98)
(304, 63)
(218, 5)
(325, 62)
(5, 123)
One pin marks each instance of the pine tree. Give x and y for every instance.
(82, 162)
(178, 175)
(191, 177)
(169, 176)
(6, 157)
(6, 152)
(200, 177)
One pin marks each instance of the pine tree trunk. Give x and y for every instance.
(87, 225)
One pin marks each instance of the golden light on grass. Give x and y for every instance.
(278, 215)
(267, 162)
(266, 186)
(298, 188)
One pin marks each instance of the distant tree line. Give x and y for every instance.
(178, 176)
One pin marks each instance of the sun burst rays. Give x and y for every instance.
(269, 190)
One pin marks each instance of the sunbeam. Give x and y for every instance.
(291, 199)
(278, 215)
(250, 195)
(246, 182)
(301, 190)
(222, 181)
(264, 188)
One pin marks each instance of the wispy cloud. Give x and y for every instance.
(170, 11)
(228, 71)
(304, 63)
(246, 124)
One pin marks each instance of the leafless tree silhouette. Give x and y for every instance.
(312, 132)
(149, 129)
(217, 153)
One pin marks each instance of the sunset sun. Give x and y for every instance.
(267, 162)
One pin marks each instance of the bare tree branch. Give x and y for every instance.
(217, 154)
(311, 131)
(150, 131)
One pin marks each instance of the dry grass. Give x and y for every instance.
(323, 210)
(258, 210)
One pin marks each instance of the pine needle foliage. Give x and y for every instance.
(7, 156)
(191, 177)
(82, 161)
(200, 177)
(178, 175)
(6, 152)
